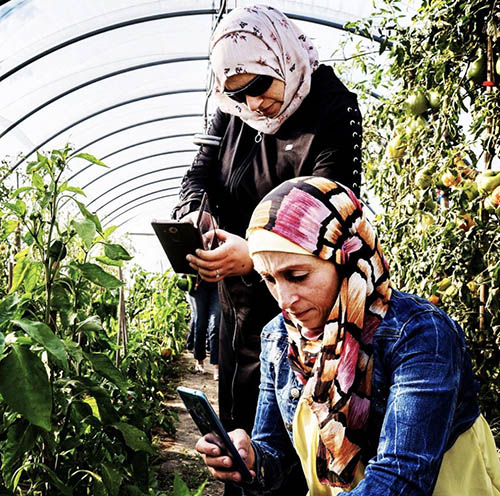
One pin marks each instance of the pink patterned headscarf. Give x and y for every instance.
(326, 220)
(262, 40)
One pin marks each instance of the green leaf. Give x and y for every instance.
(111, 478)
(106, 411)
(34, 166)
(116, 252)
(92, 402)
(2, 343)
(10, 226)
(134, 491)
(135, 438)
(98, 276)
(19, 272)
(90, 158)
(72, 189)
(25, 387)
(108, 261)
(32, 276)
(58, 483)
(104, 366)
(74, 350)
(91, 324)
(37, 181)
(20, 191)
(109, 231)
(8, 308)
(90, 216)
(19, 207)
(20, 439)
(86, 229)
(44, 335)
(180, 487)
(199, 491)
(60, 297)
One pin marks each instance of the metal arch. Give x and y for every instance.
(114, 169)
(163, 169)
(337, 25)
(102, 78)
(126, 128)
(143, 203)
(167, 15)
(105, 29)
(135, 206)
(185, 135)
(83, 119)
(138, 187)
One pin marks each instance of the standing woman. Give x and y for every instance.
(280, 115)
(371, 388)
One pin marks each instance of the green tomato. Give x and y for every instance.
(417, 103)
(488, 181)
(477, 70)
(434, 99)
(423, 179)
(415, 124)
(396, 147)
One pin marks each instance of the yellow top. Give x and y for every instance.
(470, 467)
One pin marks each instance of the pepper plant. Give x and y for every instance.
(71, 422)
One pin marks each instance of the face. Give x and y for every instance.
(268, 104)
(303, 285)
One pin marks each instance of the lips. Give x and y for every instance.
(300, 315)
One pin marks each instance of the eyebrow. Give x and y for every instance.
(280, 270)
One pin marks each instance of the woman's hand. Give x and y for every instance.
(207, 222)
(231, 258)
(220, 465)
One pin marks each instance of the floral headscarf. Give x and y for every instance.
(262, 40)
(326, 219)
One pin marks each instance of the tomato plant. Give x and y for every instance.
(440, 217)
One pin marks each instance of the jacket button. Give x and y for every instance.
(288, 426)
(294, 393)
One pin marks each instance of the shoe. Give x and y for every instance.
(198, 368)
(216, 375)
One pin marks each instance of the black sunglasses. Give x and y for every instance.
(256, 87)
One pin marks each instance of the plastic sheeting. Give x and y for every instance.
(124, 80)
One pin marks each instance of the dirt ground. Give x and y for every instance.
(178, 451)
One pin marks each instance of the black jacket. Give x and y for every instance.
(322, 138)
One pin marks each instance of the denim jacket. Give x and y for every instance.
(423, 398)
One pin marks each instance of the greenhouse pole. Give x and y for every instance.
(488, 157)
(121, 337)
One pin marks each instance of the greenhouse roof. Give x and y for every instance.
(127, 81)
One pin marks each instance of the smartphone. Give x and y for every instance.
(207, 421)
(178, 239)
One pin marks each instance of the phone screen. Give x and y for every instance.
(208, 422)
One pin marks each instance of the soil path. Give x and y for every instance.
(178, 451)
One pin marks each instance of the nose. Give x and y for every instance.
(254, 102)
(287, 295)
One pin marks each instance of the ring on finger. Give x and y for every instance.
(217, 273)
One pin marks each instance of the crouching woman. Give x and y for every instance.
(368, 389)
